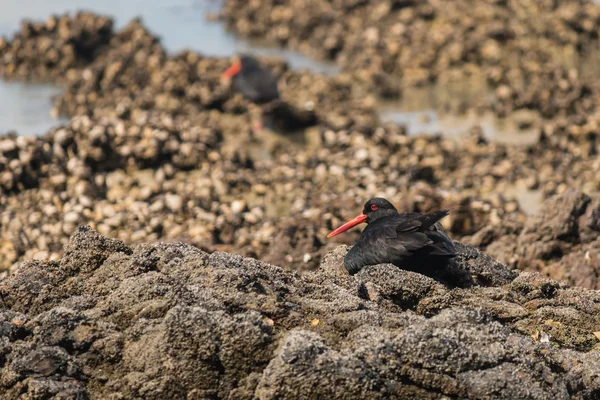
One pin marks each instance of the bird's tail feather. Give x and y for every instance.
(431, 218)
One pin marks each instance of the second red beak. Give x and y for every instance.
(353, 222)
(233, 70)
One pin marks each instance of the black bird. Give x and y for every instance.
(411, 241)
(259, 85)
(248, 77)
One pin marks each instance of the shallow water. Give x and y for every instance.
(418, 110)
(457, 127)
(26, 108)
(181, 24)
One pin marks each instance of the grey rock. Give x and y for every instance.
(170, 321)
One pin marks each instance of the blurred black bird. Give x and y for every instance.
(254, 82)
(259, 85)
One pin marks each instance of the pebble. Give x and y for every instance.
(238, 206)
(173, 202)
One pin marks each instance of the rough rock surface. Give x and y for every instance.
(158, 149)
(561, 240)
(43, 51)
(171, 321)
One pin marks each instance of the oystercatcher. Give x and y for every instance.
(254, 82)
(411, 241)
(259, 85)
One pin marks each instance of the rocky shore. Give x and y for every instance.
(158, 148)
(101, 298)
(170, 321)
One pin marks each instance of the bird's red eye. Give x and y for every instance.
(374, 207)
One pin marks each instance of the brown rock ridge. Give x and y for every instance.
(170, 321)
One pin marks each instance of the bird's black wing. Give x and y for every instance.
(421, 234)
(396, 240)
(378, 244)
(258, 85)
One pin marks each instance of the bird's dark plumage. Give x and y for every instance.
(259, 85)
(256, 83)
(408, 240)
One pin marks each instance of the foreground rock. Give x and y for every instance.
(170, 321)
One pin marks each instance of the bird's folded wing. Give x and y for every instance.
(410, 243)
(421, 223)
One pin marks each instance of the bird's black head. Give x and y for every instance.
(248, 62)
(378, 207)
(374, 209)
(242, 62)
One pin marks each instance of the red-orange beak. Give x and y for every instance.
(232, 71)
(353, 222)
